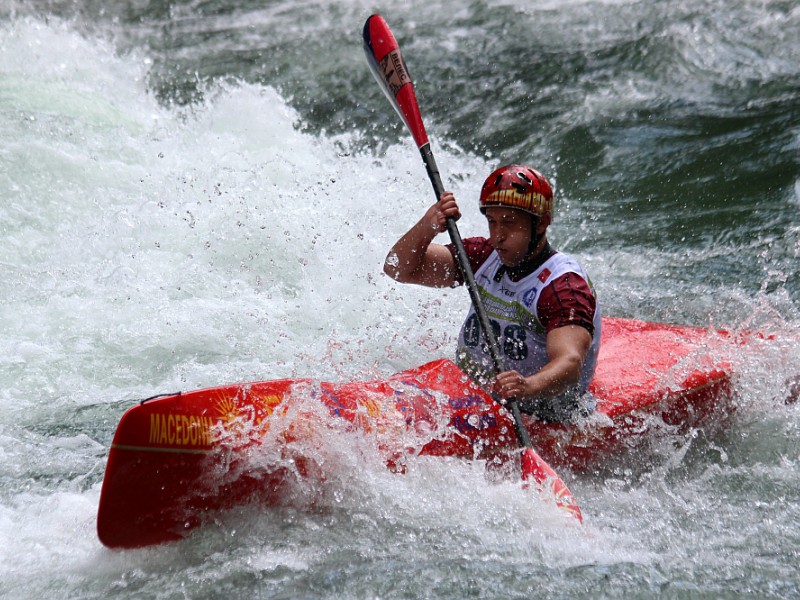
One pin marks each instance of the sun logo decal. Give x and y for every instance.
(240, 417)
(226, 409)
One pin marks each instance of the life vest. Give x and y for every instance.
(512, 308)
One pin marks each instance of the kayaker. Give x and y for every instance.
(541, 303)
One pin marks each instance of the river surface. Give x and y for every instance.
(203, 192)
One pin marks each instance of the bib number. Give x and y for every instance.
(511, 340)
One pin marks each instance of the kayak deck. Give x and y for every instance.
(176, 460)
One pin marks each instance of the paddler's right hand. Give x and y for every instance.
(445, 208)
(414, 258)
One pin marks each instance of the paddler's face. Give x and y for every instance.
(509, 233)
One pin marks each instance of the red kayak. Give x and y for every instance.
(178, 459)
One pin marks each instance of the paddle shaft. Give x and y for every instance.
(388, 66)
(390, 71)
(474, 294)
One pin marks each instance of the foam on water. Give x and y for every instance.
(150, 249)
(151, 230)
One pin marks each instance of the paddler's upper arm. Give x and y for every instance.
(567, 348)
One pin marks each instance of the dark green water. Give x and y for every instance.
(203, 192)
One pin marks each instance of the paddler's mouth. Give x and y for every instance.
(509, 258)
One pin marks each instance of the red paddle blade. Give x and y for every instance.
(389, 68)
(547, 480)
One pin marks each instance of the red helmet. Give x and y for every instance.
(518, 186)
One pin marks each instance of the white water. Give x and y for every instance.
(148, 249)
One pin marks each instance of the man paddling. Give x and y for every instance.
(541, 303)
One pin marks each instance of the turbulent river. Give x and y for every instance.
(203, 192)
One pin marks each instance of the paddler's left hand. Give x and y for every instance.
(511, 384)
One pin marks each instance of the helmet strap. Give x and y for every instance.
(535, 238)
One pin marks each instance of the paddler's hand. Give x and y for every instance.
(511, 384)
(444, 209)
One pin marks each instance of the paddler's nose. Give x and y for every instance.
(496, 237)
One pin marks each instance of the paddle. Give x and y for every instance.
(389, 69)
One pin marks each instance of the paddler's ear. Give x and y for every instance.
(542, 223)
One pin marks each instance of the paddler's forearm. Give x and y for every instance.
(566, 348)
(407, 257)
(553, 379)
(416, 259)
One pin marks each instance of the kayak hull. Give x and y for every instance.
(178, 460)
